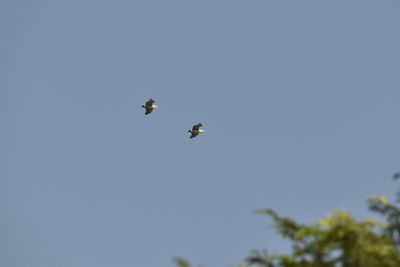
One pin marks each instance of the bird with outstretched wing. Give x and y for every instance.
(149, 106)
(196, 130)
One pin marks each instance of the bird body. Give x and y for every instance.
(150, 106)
(196, 130)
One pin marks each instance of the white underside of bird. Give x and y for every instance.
(149, 109)
(198, 131)
(152, 106)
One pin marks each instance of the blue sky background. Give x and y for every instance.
(300, 98)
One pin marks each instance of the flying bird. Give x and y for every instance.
(150, 106)
(196, 130)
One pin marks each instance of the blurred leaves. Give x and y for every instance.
(335, 239)
(338, 240)
(180, 262)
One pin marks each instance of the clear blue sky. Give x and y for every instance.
(300, 98)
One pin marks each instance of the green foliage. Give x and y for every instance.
(391, 213)
(180, 262)
(338, 240)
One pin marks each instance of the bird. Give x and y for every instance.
(150, 106)
(196, 130)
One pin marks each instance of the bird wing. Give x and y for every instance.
(194, 134)
(150, 102)
(148, 111)
(197, 127)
